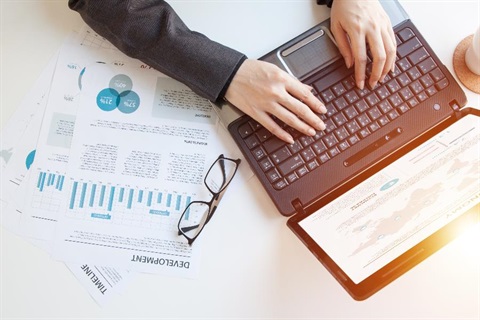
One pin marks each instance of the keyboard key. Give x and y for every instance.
(341, 134)
(258, 153)
(252, 142)
(324, 157)
(333, 152)
(408, 47)
(361, 106)
(403, 80)
(295, 147)
(338, 89)
(427, 65)
(280, 155)
(263, 134)
(352, 127)
(418, 56)
(290, 164)
(372, 99)
(353, 139)
(414, 73)
(273, 144)
(383, 120)
(363, 120)
(245, 130)
(382, 92)
(273, 175)
(292, 177)
(406, 94)
(437, 74)
(351, 96)
(374, 126)
(318, 147)
(403, 108)
(281, 184)
(330, 140)
(395, 100)
(406, 34)
(441, 84)
(301, 171)
(351, 112)
(340, 103)
(307, 154)
(266, 164)
(393, 114)
(312, 165)
(374, 113)
(306, 140)
(416, 87)
(403, 64)
(327, 95)
(339, 119)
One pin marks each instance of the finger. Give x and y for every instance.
(304, 94)
(268, 123)
(379, 57)
(287, 116)
(302, 111)
(390, 51)
(343, 44)
(360, 57)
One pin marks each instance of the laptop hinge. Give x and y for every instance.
(454, 105)
(298, 206)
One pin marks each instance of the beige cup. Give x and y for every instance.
(472, 56)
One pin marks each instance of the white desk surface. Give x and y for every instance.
(253, 266)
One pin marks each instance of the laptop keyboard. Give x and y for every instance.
(352, 114)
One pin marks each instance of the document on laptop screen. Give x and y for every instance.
(401, 205)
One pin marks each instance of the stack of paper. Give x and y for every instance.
(99, 162)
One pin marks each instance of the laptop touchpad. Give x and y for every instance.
(309, 54)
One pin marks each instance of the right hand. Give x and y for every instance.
(261, 90)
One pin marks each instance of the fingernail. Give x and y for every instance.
(361, 84)
(323, 109)
(322, 126)
(289, 139)
(311, 131)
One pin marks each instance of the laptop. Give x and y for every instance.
(363, 195)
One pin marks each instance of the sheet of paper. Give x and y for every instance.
(51, 157)
(141, 146)
(401, 205)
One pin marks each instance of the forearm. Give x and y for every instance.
(152, 32)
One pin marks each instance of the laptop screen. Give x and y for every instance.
(392, 211)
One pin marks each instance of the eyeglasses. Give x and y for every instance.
(197, 214)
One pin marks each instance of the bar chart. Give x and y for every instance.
(126, 205)
(49, 188)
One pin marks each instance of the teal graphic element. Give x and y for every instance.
(389, 184)
(119, 94)
(121, 83)
(129, 102)
(108, 99)
(29, 159)
(80, 78)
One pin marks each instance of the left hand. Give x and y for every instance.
(356, 23)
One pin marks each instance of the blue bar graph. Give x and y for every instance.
(82, 196)
(110, 200)
(103, 201)
(49, 180)
(92, 195)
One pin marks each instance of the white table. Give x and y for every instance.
(253, 266)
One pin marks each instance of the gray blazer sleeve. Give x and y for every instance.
(152, 32)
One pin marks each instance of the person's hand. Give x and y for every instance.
(261, 89)
(354, 23)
